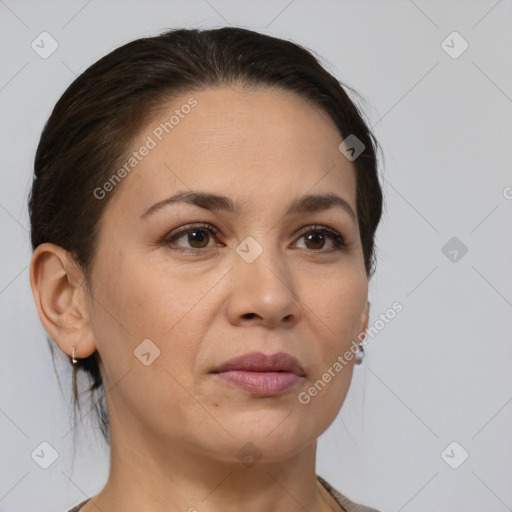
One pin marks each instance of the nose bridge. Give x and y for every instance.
(263, 281)
(263, 263)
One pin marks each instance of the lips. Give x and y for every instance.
(258, 362)
(262, 375)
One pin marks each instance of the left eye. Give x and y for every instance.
(315, 238)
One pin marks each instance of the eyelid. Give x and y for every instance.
(318, 227)
(189, 227)
(183, 230)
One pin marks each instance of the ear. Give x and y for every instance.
(365, 319)
(61, 298)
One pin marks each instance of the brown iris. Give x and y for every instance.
(199, 237)
(317, 239)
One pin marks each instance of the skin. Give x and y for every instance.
(176, 429)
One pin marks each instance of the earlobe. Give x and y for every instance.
(61, 299)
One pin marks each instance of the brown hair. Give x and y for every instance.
(93, 124)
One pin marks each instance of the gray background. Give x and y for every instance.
(440, 370)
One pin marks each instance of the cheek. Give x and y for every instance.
(142, 302)
(336, 309)
(338, 303)
(132, 304)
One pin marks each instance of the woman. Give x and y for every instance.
(203, 215)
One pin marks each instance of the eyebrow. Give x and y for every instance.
(215, 202)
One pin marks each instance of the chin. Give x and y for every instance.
(271, 436)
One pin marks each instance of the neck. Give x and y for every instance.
(150, 474)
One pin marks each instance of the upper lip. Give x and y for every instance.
(259, 362)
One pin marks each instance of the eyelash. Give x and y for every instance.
(337, 238)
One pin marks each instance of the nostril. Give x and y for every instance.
(249, 316)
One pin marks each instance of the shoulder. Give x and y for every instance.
(76, 508)
(347, 505)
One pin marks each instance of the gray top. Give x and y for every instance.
(346, 504)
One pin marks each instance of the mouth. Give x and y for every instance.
(262, 375)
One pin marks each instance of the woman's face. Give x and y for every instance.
(266, 275)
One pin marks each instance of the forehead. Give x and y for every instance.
(236, 141)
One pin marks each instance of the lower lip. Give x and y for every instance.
(261, 383)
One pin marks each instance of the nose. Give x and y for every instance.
(263, 292)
